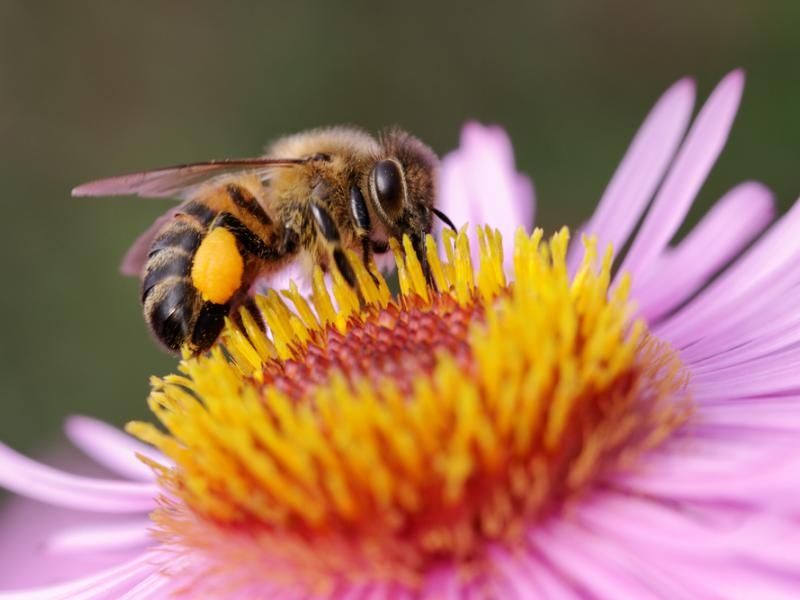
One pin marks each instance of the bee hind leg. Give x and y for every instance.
(252, 243)
(218, 274)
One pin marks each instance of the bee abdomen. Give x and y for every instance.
(169, 264)
(170, 309)
(181, 234)
(170, 300)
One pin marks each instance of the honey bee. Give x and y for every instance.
(311, 197)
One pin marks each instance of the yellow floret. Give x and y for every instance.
(218, 267)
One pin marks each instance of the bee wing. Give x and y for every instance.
(135, 258)
(179, 181)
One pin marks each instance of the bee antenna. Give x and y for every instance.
(444, 218)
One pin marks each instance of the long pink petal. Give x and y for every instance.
(110, 583)
(697, 155)
(767, 380)
(111, 447)
(529, 577)
(658, 528)
(478, 184)
(26, 527)
(765, 322)
(640, 171)
(782, 347)
(98, 538)
(764, 273)
(652, 576)
(764, 480)
(775, 361)
(29, 478)
(733, 222)
(154, 586)
(600, 574)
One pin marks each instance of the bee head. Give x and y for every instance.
(401, 185)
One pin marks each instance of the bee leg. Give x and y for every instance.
(252, 308)
(327, 228)
(248, 241)
(366, 256)
(254, 245)
(345, 268)
(360, 214)
(418, 243)
(290, 241)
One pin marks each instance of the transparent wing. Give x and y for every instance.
(135, 258)
(180, 180)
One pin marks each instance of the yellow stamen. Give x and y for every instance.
(372, 437)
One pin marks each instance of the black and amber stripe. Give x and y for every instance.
(245, 201)
(168, 296)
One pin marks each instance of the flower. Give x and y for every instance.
(535, 428)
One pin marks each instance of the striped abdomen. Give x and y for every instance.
(173, 307)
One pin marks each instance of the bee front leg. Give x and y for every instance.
(360, 214)
(327, 228)
(418, 243)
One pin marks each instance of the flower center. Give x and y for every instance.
(389, 435)
(399, 342)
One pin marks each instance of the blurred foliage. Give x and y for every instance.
(94, 89)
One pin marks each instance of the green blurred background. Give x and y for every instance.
(95, 89)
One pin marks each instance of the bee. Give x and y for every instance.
(310, 198)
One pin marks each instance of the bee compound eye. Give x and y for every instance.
(388, 182)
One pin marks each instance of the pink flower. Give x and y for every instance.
(711, 510)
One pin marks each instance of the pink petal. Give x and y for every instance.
(766, 325)
(600, 572)
(696, 547)
(280, 280)
(442, 582)
(478, 184)
(697, 155)
(27, 477)
(25, 528)
(730, 225)
(762, 275)
(96, 538)
(768, 379)
(763, 481)
(662, 530)
(780, 348)
(765, 417)
(529, 577)
(112, 448)
(110, 583)
(154, 586)
(640, 171)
